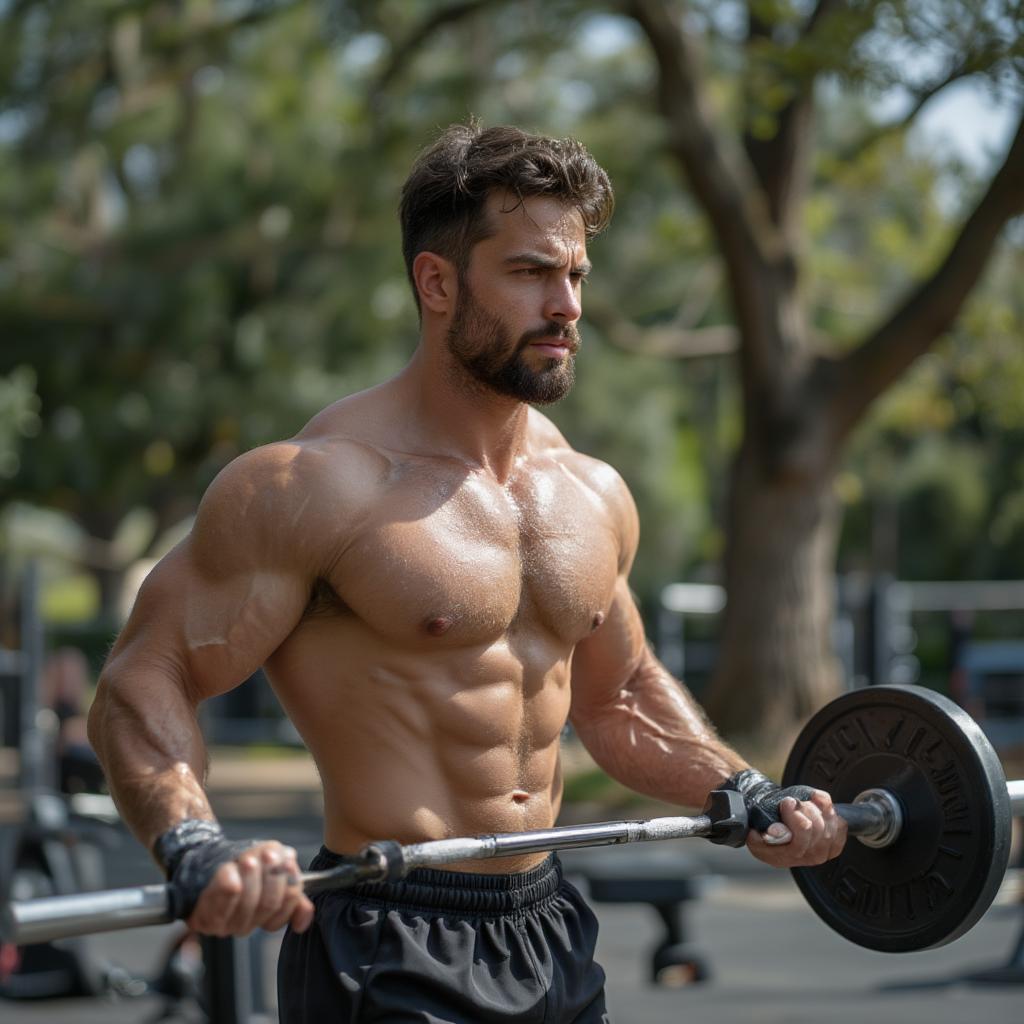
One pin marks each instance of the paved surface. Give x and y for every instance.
(772, 960)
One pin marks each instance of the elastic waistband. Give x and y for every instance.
(462, 892)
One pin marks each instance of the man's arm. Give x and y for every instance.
(205, 619)
(642, 726)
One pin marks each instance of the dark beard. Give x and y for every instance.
(483, 347)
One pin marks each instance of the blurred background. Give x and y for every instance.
(802, 337)
(199, 249)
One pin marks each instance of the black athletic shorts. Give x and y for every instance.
(445, 946)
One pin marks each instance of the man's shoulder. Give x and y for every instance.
(310, 486)
(299, 468)
(598, 476)
(291, 503)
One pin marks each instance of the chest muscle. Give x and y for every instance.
(482, 563)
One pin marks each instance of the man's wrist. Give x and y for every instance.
(172, 845)
(762, 796)
(191, 853)
(749, 782)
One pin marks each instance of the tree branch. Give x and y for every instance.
(677, 342)
(780, 162)
(758, 265)
(851, 151)
(933, 305)
(402, 53)
(725, 187)
(677, 338)
(666, 340)
(701, 289)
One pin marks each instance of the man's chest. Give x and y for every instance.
(469, 563)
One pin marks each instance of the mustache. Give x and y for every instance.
(563, 332)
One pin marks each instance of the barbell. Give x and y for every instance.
(916, 779)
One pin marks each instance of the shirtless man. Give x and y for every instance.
(435, 583)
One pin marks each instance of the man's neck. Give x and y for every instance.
(460, 417)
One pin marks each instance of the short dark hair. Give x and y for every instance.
(443, 199)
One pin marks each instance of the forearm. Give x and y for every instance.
(653, 737)
(144, 730)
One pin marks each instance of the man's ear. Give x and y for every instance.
(436, 282)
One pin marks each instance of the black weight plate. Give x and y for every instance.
(942, 873)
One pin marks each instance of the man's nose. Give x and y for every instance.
(563, 301)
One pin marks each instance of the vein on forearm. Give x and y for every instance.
(653, 737)
(149, 742)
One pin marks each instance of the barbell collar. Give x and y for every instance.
(884, 817)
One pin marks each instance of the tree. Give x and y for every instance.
(934, 488)
(802, 402)
(749, 164)
(180, 191)
(200, 249)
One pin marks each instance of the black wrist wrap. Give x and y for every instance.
(762, 796)
(190, 854)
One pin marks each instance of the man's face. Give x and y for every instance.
(514, 326)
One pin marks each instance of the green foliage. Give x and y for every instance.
(199, 248)
(946, 447)
(191, 272)
(19, 416)
(628, 409)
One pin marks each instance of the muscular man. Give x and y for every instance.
(435, 582)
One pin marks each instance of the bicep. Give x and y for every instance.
(220, 603)
(208, 627)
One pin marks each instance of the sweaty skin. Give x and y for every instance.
(435, 583)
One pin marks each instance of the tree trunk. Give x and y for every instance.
(780, 584)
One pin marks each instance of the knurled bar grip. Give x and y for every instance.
(565, 837)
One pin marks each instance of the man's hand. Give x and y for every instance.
(789, 828)
(225, 887)
(259, 889)
(808, 832)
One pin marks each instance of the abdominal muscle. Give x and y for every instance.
(420, 745)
